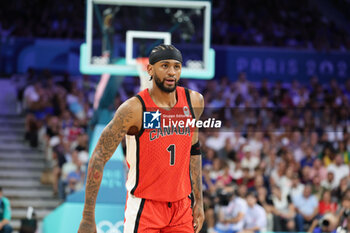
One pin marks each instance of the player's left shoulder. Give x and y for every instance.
(197, 102)
(196, 99)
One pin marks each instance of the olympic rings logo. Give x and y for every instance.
(111, 228)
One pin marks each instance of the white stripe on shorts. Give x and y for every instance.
(133, 205)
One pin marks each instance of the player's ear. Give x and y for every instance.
(150, 70)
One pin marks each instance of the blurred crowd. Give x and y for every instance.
(277, 23)
(57, 111)
(43, 19)
(281, 161)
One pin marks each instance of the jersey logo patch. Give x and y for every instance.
(186, 111)
(151, 120)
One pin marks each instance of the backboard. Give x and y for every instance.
(119, 31)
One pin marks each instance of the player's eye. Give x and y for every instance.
(165, 65)
(177, 66)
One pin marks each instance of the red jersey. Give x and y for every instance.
(159, 156)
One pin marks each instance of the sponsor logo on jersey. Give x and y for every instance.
(151, 120)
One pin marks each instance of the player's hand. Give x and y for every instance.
(198, 217)
(87, 226)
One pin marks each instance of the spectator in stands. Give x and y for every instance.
(255, 219)
(290, 160)
(344, 206)
(32, 106)
(317, 188)
(227, 152)
(306, 208)
(242, 85)
(344, 152)
(305, 175)
(326, 205)
(75, 101)
(75, 180)
(265, 201)
(286, 180)
(258, 182)
(341, 190)
(283, 211)
(208, 158)
(309, 158)
(329, 183)
(315, 143)
(71, 175)
(225, 178)
(53, 127)
(296, 145)
(327, 155)
(237, 172)
(216, 170)
(53, 132)
(58, 160)
(242, 191)
(66, 120)
(318, 170)
(216, 141)
(81, 144)
(279, 172)
(246, 180)
(208, 183)
(5, 214)
(231, 217)
(271, 160)
(74, 131)
(339, 169)
(249, 161)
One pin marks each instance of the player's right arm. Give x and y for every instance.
(127, 118)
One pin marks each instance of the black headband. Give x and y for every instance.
(165, 54)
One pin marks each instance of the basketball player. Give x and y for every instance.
(162, 161)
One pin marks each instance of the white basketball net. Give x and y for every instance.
(145, 81)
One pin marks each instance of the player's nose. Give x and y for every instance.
(171, 71)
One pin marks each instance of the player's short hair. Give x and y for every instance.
(163, 47)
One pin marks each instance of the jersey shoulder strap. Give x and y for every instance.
(188, 98)
(139, 97)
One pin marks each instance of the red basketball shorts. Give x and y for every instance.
(148, 216)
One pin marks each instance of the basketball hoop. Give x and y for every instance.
(141, 64)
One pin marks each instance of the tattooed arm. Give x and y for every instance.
(196, 167)
(126, 119)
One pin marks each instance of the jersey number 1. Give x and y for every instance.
(171, 149)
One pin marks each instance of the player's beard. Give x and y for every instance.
(160, 84)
